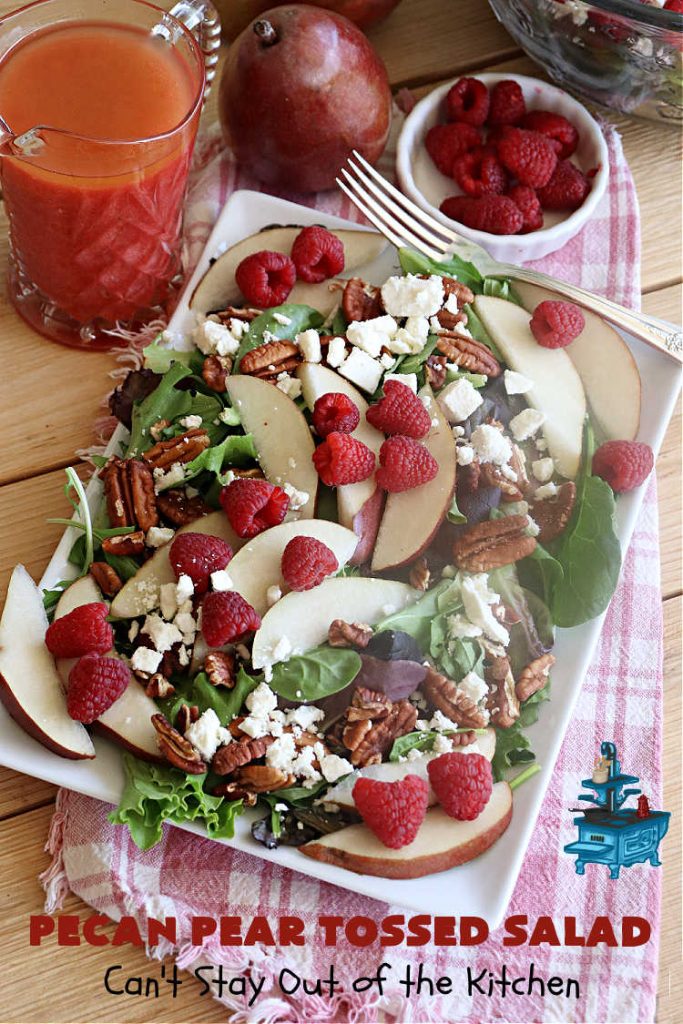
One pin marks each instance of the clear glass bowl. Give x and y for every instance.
(623, 54)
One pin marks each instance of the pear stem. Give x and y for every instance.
(266, 33)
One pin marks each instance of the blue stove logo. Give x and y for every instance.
(608, 833)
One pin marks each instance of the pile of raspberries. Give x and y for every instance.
(511, 164)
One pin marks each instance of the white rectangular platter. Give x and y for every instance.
(484, 886)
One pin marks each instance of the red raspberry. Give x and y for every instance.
(266, 278)
(554, 126)
(526, 200)
(399, 412)
(394, 811)
(83, 631)
(306, 562)
(341, 459)
(253, 506)
(623, 464)
(462, 783)
(674, 5)
(567, 188)
(468, 101)
(445, 142)
(480, 173)
(227, 618)
(530, 156)
(405, 464)
(94, 684)
(556, 324)
(335, 412)
(317, 254)
(507, 103)
(496, 214)
(197, 555)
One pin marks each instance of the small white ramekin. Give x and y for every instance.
(423, 182)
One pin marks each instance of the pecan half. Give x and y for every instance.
(157, 429)
(261, 778)
(435, 371)
(420, 575)
(463, 294)
(142, 494)
(215, 372)
(463, 739)
(183, 448)
(444, 694)
(106, 578)
(117, 493)
(502, 701)
(449, 321)
(187, 714)
(492, 476)
(373, 723)
(176, 749)
(468, 354)
(234, 755)
(361, 301)
(159, 686)
(553, 514)
(246, 313)
(348, 634)
(125, 544)
(233, 791)
(492, 543)
(534, 676)
(267, 361)
(180, 510)
(220, 668)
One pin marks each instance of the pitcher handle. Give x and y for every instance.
(204, 22)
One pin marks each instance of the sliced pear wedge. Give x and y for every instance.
(218, 287)
(557, 391)
(30, 687)
(440, 844)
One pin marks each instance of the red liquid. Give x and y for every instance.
(95, 225)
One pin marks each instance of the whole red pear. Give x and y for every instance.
(301, 88)
(236, 14)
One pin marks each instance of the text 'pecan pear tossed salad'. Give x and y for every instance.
(332, 552)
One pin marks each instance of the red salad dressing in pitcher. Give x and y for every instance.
(95, 221)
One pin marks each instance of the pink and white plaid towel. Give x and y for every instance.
(620, 700)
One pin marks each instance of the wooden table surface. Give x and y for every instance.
(49, 397)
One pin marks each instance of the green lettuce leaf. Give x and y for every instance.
(165, 402)
(416, 619)
(415, 263)
(158, 357)
(234, 449)
(154, 794)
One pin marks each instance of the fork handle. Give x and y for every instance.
(656, 333)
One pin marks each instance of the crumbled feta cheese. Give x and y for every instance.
(157, 536)
(387, 360)
(183, 657)
(532, 528)
(133, 631)
(411, 338)
(187, 625)
(541, 444)
(413, 755)
(546, 491)
(281, 753)
(362, 370)
(409, 379)
(477, 599)
(206, 734)
(336, 352)
(191, 422)
(372, 336)
(459, 627)
(175, 475)
(240, 327)
(509, 473)
(261, 701)
(517, 383)
(464, 455)
(309, 345)
(273, 595)
(458, 432)
(305, 716)
(451, 303)
(412, 295)
(269, 337)
(439, 723)
(168, 601)
(435, 325)
(458, 400)
(162, 634)
(255, 727)
(448, 572)
(421, 725)
(442, 744)
(297, 499)
(543, 469)
(290, 386)
(214, 338)
(474, 687)
(334, 767)
(491, 445)
(303, 768)
(280, 318)
(184, 588)
(282, 650)
(525, 424)
(145, 660)
(221, 580)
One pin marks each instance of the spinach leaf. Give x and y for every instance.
(51, 597)
(541, 573)
(300, 317)
(477, 380)
(479, 333)
(124, 566)
(419, 741)
(296, 794)
(413, 364)
(415, 263)
(226, 703)
(416, 619)
(512, 746)
(236, 448)
(316, 674)
(165, 402)
(339, 323)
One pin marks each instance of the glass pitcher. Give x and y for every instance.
(95, 214)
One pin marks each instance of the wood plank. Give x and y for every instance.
(21, 793)
(71, 978)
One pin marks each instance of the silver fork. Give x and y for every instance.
(404, 223)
